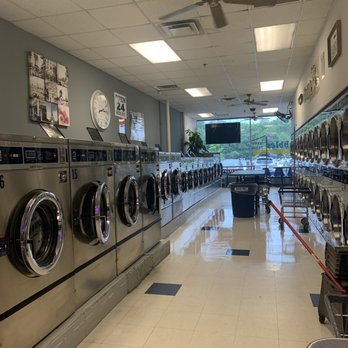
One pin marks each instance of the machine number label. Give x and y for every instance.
(74, 174)
(2, 182)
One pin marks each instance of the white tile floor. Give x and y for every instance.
(257, 301)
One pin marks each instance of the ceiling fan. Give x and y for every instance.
(216, 8)
(248, 101)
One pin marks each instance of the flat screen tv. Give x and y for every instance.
(222, 133)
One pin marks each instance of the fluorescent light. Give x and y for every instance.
(156, 51)
(275, 37)
(206, 114)
(198, 92)
(269, 110)
(271, 85)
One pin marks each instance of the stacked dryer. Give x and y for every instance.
(150, 196)
(166, 188)
(176, 177)
(129, 234)
(92, 187)
(36, 251)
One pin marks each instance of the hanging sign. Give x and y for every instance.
(120, 105)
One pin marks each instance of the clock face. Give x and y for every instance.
(100, 110)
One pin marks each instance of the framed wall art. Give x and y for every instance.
(334, 44)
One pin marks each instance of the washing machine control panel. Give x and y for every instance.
(11, 155)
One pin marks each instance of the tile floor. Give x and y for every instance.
(225, 301)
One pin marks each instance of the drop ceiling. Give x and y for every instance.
(223, 60)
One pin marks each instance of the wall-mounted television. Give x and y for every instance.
(222, 133)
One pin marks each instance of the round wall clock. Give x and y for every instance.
(100, 110)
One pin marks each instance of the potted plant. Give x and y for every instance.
(194, 144)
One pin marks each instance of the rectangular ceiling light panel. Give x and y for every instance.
(206, 114)
(275, 37)
(156, 51)
(269, 110)
(276, 85)
(198, 92)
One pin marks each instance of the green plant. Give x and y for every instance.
(194, 144)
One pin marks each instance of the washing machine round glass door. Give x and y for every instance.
(336, 218)
(200, 177)
(166, 186)
(150, 193)
(325, 210)
(195, 178)
(316, 144)
(333, 141)
(37, 233)
(344, 135)
(317, 202)
(128, 201)
(323, 143)
(176, 182)
(183, 182)
(94, 213)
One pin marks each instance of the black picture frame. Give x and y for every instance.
(334, 44)
(51, 130)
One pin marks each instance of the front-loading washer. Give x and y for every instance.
(166, 188)
(36, 251)
(176, 177)
(150, 196)
(185, 169)
(92, 187)
(190, 182)
(129, 232)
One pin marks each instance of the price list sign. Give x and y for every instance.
(120, 105)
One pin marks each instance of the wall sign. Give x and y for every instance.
(334, 44)
(137, 126)
(48, 91)
(120, 105)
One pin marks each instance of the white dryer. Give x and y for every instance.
(36, 251)
(92, 187)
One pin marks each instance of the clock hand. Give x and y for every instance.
(102, 110)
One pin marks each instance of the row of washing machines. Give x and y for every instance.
(326, 143)
(74, 215)
(328, 201)
(185, 181)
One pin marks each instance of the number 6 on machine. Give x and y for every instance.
(120, 105)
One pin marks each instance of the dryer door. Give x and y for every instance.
(94, 213)
(166, 186)
(184, 182)
(189, 180)
(150, 193)
(37, 233)
(176, 182)
(195, 178)
(128, 201)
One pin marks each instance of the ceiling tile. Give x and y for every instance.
(305, 40)
(119, 16)
(12, 12)
(86, 54)
(115, 51)
(316, 8)
(173, 66)
(38, 27)
(189, 43)
(101, 63)
(73, 23)
(116, 71)
(129, 61)
(312, 26)
(188, 81)
(152, 76)
(198, 53)
(180, 73)
(231, 37)
(96, 39)
(64, 42)
(142, 69)
(92, 4)
(273, 56)
(46, 8)
(139, 33)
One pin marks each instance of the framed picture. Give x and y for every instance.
(51, 130)
(120, 105)
(334, 44)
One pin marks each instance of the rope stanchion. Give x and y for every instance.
(308, 248)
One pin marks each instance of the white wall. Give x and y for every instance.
(336, 77)
(189, 123)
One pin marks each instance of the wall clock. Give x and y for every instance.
(100, 110)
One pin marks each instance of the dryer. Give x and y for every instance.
(176, 177)
(129, 232)
(166, 188)
(92, 187)
(150, 196)
(36, 251)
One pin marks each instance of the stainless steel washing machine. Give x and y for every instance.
(36, 251)
(129, 232)
(92, 187)
(150, 196)
(176, 177)
(187, 182)
(166, 188)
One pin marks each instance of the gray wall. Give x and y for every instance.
(84, 79)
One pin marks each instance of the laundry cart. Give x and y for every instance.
(293, 201)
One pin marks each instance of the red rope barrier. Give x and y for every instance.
(308, 248)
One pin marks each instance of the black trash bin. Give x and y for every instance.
(243, 196)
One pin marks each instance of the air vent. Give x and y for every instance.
(181, 28)
(166, 88)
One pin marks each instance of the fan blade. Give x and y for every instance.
(240, 2)
(255, 3)
(259, 103)
(259, 3)
(184, 9)
(218, 15)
